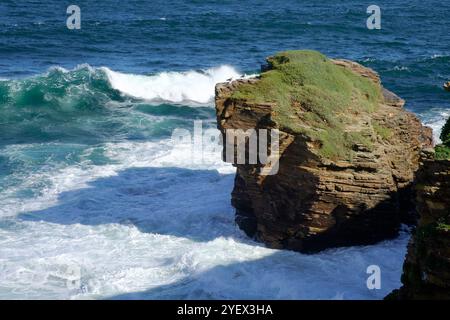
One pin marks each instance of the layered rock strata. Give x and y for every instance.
(348, 153)
(426, 271)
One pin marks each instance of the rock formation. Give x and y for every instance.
(447, 86)
(348, 153)
(426, 271)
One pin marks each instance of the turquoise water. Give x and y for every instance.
(90, 181)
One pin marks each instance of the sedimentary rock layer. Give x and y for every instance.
(348, 153)
(426, 271)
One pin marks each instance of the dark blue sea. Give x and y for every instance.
(96, 201)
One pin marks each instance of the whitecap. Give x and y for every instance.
(435, 118)
(175, 87)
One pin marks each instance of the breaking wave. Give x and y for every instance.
(175, 87)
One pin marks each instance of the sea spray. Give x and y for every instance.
(175, 87)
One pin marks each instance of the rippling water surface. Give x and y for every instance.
(95, 202)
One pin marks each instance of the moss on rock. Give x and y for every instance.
(442, 152)
(383, 131)
(308, 86)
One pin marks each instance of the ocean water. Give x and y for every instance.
(98, 202)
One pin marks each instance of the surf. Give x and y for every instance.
(176, 87)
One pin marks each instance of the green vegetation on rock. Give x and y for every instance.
(443, 227)
(384, 132)
(315, 97)
(443, 150)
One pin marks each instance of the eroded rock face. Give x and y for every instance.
(426, 271)
(316, 202)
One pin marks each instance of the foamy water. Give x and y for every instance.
(154, 226)
(93, 203)
(435, 119)
(176, 87)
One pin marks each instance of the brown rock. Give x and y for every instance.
(314, 203)
(426, 271)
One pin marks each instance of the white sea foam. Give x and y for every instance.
(77, 68)
(436, 118)
(175, 87)
(191, 87)
(400, 68)
(154, 225)
(437, 56)
(163, 153)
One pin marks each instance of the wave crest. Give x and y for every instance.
(191, 87)
(174, 87)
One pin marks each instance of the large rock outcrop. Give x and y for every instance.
(348, 153)
(426, 271)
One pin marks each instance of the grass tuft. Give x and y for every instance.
(384, 132)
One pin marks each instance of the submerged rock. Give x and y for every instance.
(348, 153)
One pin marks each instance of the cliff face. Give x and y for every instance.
(426, 271)
(348, 153)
